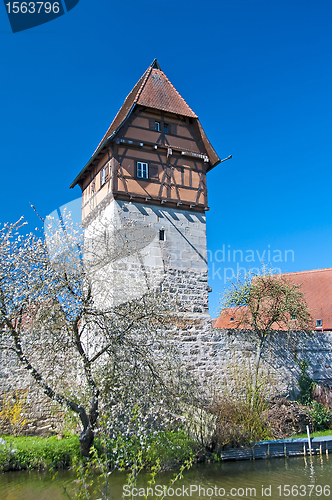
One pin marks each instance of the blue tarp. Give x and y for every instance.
(295, 440)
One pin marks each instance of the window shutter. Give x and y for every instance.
(173, 128)
(151, 123)
(153, 172)
(106, 172)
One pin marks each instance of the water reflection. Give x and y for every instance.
(264, 479)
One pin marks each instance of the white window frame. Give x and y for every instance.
(103, 176)
(142, 170)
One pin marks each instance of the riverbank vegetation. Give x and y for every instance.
(313, 434)
(17, 453)
(167, 449)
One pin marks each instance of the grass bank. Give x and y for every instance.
(17, 453)
(313, 434)
(168, 448)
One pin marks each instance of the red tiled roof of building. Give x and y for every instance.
(316, 286)
(317, 289)
(226, 318)
(153, 90)
(158, 92)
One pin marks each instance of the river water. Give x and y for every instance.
(301, 477)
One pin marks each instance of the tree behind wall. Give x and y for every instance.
(264, 304)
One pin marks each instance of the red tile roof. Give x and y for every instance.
(226, 318)
(317, 288)
(154, 90)
(158, 92)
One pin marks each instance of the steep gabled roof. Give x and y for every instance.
(153, 90)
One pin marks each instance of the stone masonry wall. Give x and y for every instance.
(42, 415)
(209, 354)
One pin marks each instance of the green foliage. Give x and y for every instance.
(321, 416)
(313, 434)
(94, 474)
(167, 448)
(306, 384)
(265, 302)
(37, 452)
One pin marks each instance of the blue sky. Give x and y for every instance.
(259, 75)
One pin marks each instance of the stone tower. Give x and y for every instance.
(151, 167)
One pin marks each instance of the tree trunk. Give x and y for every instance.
(257, 364)
(87, 438)
(87, 435)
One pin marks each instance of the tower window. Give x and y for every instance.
(319, 323)
(165, 128)
(142, 170)
(157, 126)
(161, 235)
(102, 177)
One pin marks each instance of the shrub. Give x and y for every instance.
(13, 412)
(168, 448)
(321, 416)
(240, 406)
(306, 384)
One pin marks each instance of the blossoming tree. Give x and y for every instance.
(57, 326)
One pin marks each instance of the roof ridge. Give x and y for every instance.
(309, 271)
(140, 90)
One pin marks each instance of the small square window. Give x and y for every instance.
(231, 319)
(157, 126)
(319, 323)
(165, 128)
(142, 170)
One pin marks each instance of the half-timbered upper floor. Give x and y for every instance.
(155, 151)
